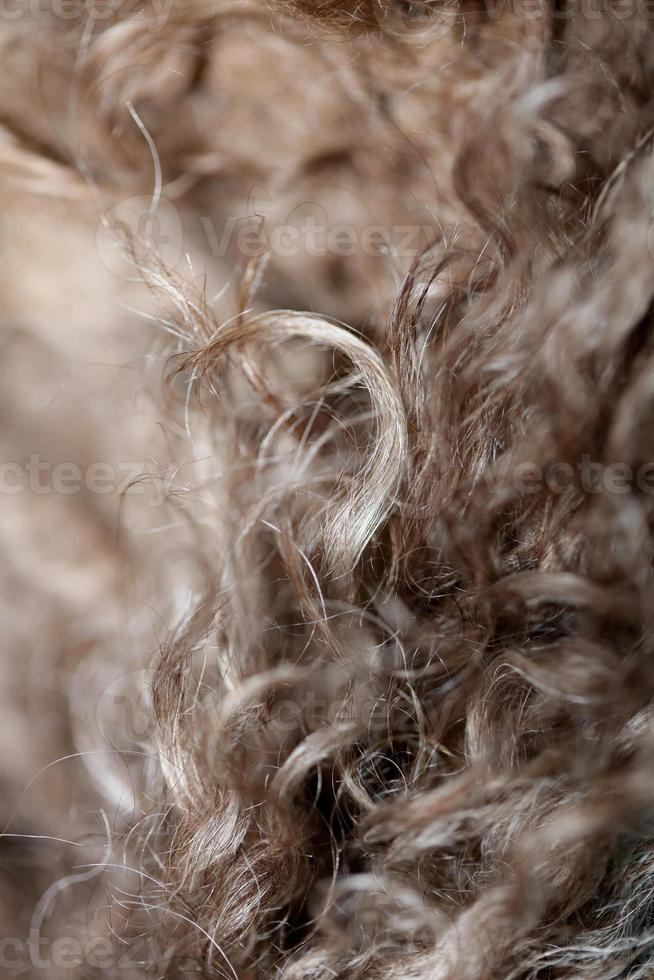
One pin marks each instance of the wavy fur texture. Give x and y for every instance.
(345, 667)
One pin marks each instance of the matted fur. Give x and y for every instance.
(352, 675)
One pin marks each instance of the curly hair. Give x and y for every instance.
(328, 392)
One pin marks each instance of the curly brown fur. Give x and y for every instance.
(350, 673)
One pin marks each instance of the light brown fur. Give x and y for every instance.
(347, 672)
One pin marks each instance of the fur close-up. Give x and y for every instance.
(326, 489)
